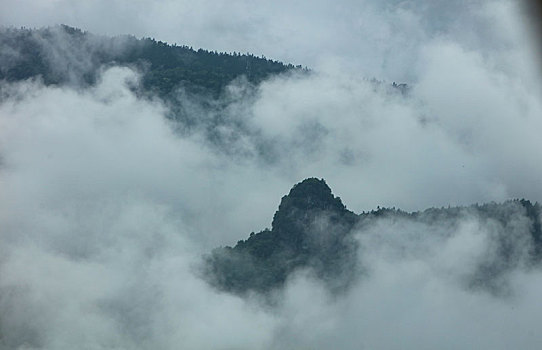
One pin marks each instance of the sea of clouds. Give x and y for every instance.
(106, 207)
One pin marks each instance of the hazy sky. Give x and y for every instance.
(105, 209)
(383, 39)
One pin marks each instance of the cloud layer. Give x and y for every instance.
(106, 207)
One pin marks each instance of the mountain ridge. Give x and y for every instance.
(313, 230)
(28, 53)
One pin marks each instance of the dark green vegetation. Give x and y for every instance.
(313, 230)
(66, 55)
(310, 229)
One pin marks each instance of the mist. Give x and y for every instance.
(107, 204)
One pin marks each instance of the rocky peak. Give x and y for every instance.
(310, 230)
(311, 195)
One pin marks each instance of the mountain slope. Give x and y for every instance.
(310, 230)
(313, 230)
(66, 55)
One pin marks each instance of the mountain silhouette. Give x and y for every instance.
(312, 230)
(309, 230)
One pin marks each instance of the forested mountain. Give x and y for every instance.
(66, 55)
(313, 230)
(190, 82)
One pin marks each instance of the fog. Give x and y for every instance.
(106, 205)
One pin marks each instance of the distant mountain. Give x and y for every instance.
(66, 55)
(190, 82)
(310, 229)
(313, 230)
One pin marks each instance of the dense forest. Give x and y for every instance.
(313, 230)
(191, 83)
(28, 53)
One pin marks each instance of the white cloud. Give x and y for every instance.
(105, 210)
